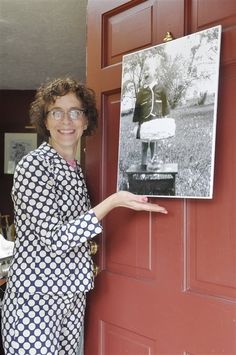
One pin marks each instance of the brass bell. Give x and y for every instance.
(93, 247)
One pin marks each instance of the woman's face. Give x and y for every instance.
(65, 127)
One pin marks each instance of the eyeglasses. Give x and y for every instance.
(73, 114)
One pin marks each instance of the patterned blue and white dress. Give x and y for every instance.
(52, 269)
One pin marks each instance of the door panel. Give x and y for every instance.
(116, 339)
(167, 283)
(211, 266)
(207, 13)
(118, 36)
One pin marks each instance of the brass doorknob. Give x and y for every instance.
(93, 247)
(96, 270)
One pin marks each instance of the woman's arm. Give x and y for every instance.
(40, 213)
(128, 200)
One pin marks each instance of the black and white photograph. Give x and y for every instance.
(16, 146)
(168, 117)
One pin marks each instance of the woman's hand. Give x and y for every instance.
(128, 200)
(137, 202)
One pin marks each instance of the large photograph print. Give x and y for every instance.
(168, 117)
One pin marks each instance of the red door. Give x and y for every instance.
(167, 283)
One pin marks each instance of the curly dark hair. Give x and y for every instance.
(49, 92)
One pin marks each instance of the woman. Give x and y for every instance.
(52, 270)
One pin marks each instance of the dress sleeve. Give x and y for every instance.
(38, 214)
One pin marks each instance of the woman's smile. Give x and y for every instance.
(66, 131)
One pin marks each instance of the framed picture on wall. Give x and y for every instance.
(16, 145)
(168, 117)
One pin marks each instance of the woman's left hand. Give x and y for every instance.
(137, 202)
(128, 200)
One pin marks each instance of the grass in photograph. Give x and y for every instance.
(190, 148)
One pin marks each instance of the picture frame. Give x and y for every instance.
(169, 98)
(16, 145)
